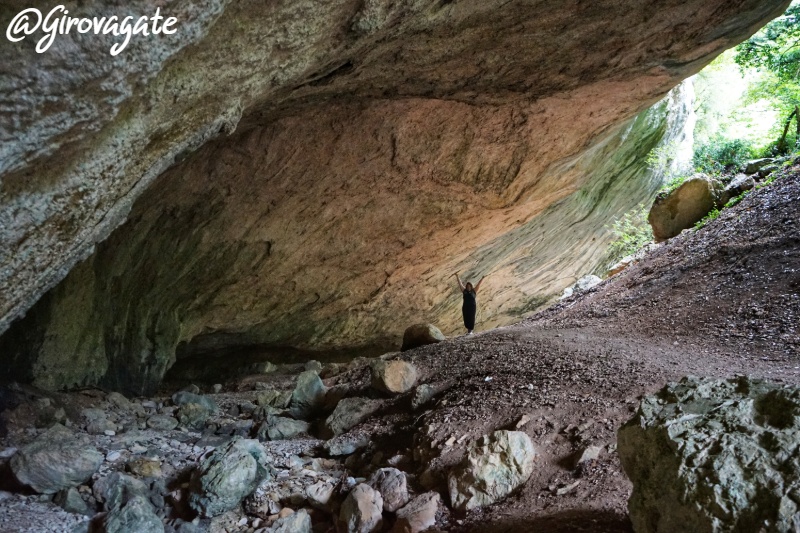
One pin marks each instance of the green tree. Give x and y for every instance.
(776, 50)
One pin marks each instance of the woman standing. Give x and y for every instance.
(470, 305)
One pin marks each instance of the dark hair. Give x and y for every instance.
(469, 286)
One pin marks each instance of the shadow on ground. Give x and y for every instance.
(589, 521)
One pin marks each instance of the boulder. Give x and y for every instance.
(494, 467)
(393, 377)
(737, 186)
(766, 171)
(620, 265)
(319, 495)
(391, 483)
(350, 412)
(264, 367)
(346, 444)
(754, 165)
(54, 461)
(193, 415)
(227, 476)
(313, 365)
(308, 396)
(282, 428)
(299, 522)
(119, 401)
(70, 500)
(587, 282)
(361, 511)
(422, 394)
(421, 335)
(144, 467)
(418, 515)
(184, 397)
(274, 398)
(162, 422)
(715, 456)
(128, 506)
(682, 208)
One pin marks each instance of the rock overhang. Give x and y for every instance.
(520, 86)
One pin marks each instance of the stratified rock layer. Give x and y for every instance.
(716, 456)
(378, 147)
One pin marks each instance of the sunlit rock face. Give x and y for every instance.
(352, 155)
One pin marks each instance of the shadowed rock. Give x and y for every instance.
(54, 461)
(227, 476)
(361, 511)
(714, 455)
(421, 335)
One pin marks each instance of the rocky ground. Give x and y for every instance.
(306, 447)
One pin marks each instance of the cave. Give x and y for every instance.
(287, 187)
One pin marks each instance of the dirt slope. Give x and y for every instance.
(720, 301)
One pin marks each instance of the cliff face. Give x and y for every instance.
(309, 173)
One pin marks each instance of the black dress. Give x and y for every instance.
(468, 309)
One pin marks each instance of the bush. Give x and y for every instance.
(713, 215)
(719, 155)
(632, 232)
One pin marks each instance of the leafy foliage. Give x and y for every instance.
(776, 47)
(713, 214)
(720, 155)
(775, 51)
(632, 232)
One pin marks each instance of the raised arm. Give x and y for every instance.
(478, 286)
(461, 285)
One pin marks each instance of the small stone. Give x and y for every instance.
(361, 511)
(346, 444)
(182, 398)
(162, 422)
(194, 389)
(319, 494)
(217, 388)
(350, 412)
(193, 415)
(308, 396)
(293, 522)
(144, 467)
(70, 500)
(566, 489)
(391, 483)
(314, 365)
(113, 456)
(393, 377)
(419, 515)
(591, 453)
(282, 428)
